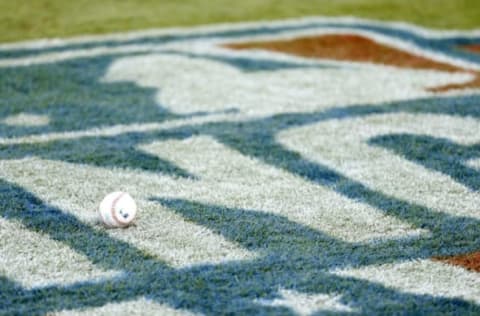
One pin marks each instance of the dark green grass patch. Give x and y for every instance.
(22, 20)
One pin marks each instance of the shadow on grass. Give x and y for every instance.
(435, 153)
(293, 257)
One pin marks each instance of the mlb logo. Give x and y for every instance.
(305, 166)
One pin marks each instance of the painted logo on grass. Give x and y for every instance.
(320, 165)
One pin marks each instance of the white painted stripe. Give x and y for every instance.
(134, 307)
(422, 277)
(333, 144)
(34, 260)
(122, 129)
(124, 37)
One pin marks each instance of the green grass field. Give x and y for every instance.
(57, 18)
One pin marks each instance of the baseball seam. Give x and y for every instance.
(116, 219)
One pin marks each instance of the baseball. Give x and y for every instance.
(117, 209)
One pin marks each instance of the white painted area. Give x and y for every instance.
(225, 178)
(140, 307)
(35, 260)
(230, 179)
(342, 146)
(307, 304)
(27, 120)
(473, 163)
(188, 85)
(120, 129)
(423, 277)
(158, 231)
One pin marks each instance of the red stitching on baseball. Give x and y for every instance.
(113, 213)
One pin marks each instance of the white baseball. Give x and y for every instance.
(117, 209)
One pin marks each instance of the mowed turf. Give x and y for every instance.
(20, 20)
